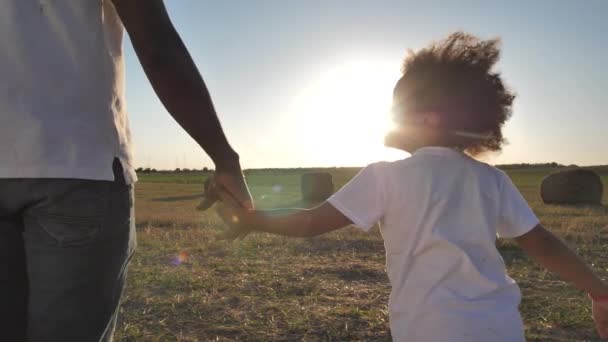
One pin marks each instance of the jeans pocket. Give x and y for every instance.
(71, 231)
(73, 212)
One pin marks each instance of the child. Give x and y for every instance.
(440, 210)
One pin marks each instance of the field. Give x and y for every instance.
(186, 285)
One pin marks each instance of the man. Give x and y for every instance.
(66, 168)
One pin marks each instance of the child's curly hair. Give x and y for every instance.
(454, 78)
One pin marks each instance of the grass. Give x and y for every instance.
(185, 285)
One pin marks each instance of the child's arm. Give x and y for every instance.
(290, 222)
(516, 218)
(362, 202)
(549, 251)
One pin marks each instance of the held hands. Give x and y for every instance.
(600, 315)
(234, 216)
(232, 208)
(234, 186)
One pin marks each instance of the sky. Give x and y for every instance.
(309, 83)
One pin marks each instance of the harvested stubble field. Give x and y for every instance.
(185, 285)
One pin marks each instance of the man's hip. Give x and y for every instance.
(68, 242)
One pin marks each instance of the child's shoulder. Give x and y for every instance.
(380, 169)
(491, 176)
(384, 166)
(486, 167)
(483, 168)
(480, 167)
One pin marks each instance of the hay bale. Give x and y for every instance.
(316, 186)
(576, 186)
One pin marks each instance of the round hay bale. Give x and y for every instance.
(576, 186)
(316, 186)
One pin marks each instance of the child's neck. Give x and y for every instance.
(455, 148)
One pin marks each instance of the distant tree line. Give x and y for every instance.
(299, 170)
(533, 166)
(177, 170)
(145, 170)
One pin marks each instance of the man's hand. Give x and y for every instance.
(235, 187)
(232, 185)
(600, 316)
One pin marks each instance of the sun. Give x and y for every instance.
(341, 118)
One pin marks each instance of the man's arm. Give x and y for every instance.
(179, 85)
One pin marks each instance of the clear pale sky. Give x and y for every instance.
(308, 83)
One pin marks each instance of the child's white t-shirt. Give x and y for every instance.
(440, 212)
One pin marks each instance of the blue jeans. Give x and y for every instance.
(64, 249)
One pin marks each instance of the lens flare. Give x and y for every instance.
(180, 258)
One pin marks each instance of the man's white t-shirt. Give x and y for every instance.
(62, 102)
(440, 212)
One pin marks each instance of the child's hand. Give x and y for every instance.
(234, 218)
(233, 215)
(600, 315)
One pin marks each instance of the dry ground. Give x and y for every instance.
(185, 285)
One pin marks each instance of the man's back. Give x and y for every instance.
(67, 230)
(62, 94)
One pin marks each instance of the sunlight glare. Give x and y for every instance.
(341, 118)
